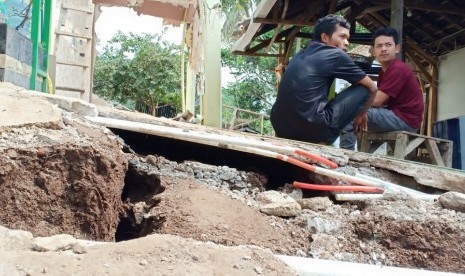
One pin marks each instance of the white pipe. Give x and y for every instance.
(391, 186)
(208, 139)
(309, 266)
(361, 197)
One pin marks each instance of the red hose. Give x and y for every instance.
(317, 158)
(319, 187)
(296, 162)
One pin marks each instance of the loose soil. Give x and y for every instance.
(84, 181)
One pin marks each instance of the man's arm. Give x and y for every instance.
(380, 99)
(371, 86)
(361, 121)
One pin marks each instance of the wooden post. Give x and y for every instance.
(433, 100)
(397, 20)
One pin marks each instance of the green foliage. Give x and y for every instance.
(234, 12)
(254, 85)
(139, 70)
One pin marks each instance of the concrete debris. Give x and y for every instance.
(53, 243)
(315, 203)
(75, 105)
(454, 201)
(278, 204)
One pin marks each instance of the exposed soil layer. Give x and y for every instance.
(77, 180)
(51, 185)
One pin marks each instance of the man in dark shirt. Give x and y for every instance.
(302, 110)
(399, 101)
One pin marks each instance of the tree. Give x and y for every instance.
(254, 85)
(236, 12)
(139, 70)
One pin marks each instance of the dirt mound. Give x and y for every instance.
(151, 255)
(61, 181)
(431, 244)
(77, 180)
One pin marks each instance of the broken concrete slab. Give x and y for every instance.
(27, 112)
(75, 105)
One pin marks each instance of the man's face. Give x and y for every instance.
(339, 39)
(385, 49)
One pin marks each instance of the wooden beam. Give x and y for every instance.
(264, 43)
(283, 22)
(421, 5)
(279, 27)
(420, 67)
(434, 153)
(397, 21)
(433, 97)
(332, 6)
(257, 54)
(290, 38)
(262, 11)
(445, 39)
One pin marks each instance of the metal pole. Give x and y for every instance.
(46, 18)
(35, 33)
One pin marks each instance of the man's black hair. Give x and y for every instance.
(328, 25)
(387, 31)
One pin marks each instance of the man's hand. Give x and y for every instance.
(361, 123)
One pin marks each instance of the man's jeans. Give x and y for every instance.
(379, 120)
(344, 108)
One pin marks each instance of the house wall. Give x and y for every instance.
(451, 97)
(16, 57)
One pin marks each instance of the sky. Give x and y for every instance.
(125, 19)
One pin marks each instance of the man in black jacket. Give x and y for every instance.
(302, 110)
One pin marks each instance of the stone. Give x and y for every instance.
(454, 201)
(315, 203)
(53, 243)
(275, 203)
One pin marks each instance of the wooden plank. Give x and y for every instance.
(257, 54)
(364, 143)
(384, 136)
(70, 6)
(401, 144)
(421, 5)
(76, 58)
(332, 6)
(73, 34)
(446, 150)
(72, 89)
(262, 11)
(434, 153)
(289, 22)
(420, 67)
(433, 99)
(72, 63)
(233, 119)
(413, 145)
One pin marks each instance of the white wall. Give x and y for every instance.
(451, 97)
